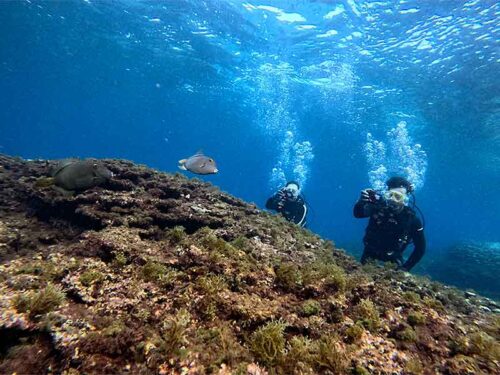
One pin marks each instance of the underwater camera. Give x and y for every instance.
(375, 197)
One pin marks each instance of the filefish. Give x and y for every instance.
(199, 164)
(74, 174)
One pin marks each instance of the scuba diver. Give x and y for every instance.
(393, 224)
(290, 203)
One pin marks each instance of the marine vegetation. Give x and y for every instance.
(153, 273)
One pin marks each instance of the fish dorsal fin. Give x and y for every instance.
(199, 153)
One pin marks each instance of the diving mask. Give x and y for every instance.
(396, 196)
(292, 190)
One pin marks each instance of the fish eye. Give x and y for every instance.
(211, 160)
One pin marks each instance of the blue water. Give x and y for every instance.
(272, 90)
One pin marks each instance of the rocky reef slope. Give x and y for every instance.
(155, 273)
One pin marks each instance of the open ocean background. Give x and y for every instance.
(336, 94)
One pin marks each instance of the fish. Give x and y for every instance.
(75, 174)
(199, 164)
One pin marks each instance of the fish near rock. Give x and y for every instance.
(199, 164)
(74, 174)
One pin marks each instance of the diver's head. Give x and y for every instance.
(396, 198)
(398, 189)
(399, 182)
(292, 188)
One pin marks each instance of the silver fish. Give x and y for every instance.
(199, 164)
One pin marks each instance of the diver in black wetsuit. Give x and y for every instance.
(392, 226)
(288, 202)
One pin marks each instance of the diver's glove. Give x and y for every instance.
(282, 196)
(366, 195)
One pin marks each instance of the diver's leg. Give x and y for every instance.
(367, 256)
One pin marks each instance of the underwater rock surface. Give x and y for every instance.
(153, 273)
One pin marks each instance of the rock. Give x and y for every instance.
(162, 274)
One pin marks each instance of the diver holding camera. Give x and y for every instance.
(393, 225)
(290, 203)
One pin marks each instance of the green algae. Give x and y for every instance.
(414, 367)
(328, 273)
(416, 318)
(411, 297)
(120, 260)
(298, 357)
(41, 302)
(310, 307)
(354, 333)
(159, 274)
(358, 370)
(288, 276)
(407, 334)
(329, 357)
(367, 315)
(484, 345)
(212, 284)
(90, 277)
(218, 345)
(268, 343)
(47, 270)
(176, 235)
(174, 333)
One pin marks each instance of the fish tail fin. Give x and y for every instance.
(182, 167)
(181, 164)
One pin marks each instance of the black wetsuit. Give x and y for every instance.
(294, 210)
(389, 232)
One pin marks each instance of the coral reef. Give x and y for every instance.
(153, 273)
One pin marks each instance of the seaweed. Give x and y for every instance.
(416, 318)
(354, 333)
(39, 303)
(310, 307)
(482, 344)
(218, 345)
(176, 235)
(288, 276)
(159, 274)
(367, 315)
(299, 356)
(268, 343)
(120, 259)
(329, 357)
(174, 333)
(90, 277)
(414, 366)
(411, 297)
(328, 273)
(406, 333)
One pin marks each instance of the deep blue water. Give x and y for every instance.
(256, 83)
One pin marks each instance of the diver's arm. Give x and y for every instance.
(272, 203)
(418, 251)
(277, 201)
(362, 209)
